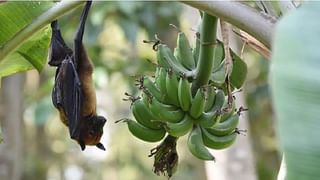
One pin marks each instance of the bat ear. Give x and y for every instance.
(82, 145)
(100, 146)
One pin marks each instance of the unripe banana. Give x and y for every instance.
(176, 54)
(161, 56)
(184, 52)
(157, 73)
(230, 112)
(209, 119)
(153, 90)
(144, 133)
(217, 142)
(172, 88)
(210, 98)
(196, 145)
(161, 80)
(184, 94)
(143, 116)
(181, 128)
(166, 59)
(146, 98)
(197, 106)
(218, 101)
(218, 55)
(164, 112)
(156, 77)
(196, 49)
(226, 127)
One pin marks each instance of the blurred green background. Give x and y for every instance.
(113, 38)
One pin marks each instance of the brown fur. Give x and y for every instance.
(88, 93)
(88, 109)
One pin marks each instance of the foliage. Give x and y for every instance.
(31, 54)
(261, 122)
(295, 86)
(152, 18)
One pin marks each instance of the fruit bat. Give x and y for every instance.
(73, 92)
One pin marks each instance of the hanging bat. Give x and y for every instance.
(73, 92)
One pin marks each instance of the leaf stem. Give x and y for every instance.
(40, 22)
(238, 14)
(207, 41)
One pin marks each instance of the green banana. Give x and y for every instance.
(164, 112)
(146, 98)
(156, 76)
(218, 55)
(198, 102)
(177, 54)
(172, 88)
(196, 49)
(161, 56)
(161, 80)
(210, 98)
(214, 114)
(157, 73)
(231, 111)
(209, 119)
(184, 94)
(166, 59)
(196, 145)
(218, 101)
(153, 90)
(144, 133)
(226, 127)
(184, 52)
(181, 128)
(143, 116)
(217, 142)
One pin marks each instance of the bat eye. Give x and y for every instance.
(91, 132)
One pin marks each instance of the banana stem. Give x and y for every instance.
(171, 139)
(208, 41)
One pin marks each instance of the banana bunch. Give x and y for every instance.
(216, 128)
(166, 104)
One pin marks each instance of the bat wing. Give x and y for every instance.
(67, 95)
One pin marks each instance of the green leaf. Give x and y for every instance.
(239, 71)
(218, 76)
(295, 82)
(14, 16)
(32, 54)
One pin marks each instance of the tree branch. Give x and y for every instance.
(240, 15)
(44, 19)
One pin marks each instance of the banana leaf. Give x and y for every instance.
(295, 82)
(14, 16)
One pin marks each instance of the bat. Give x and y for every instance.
(73, 93)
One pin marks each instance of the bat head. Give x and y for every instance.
(91, 132)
